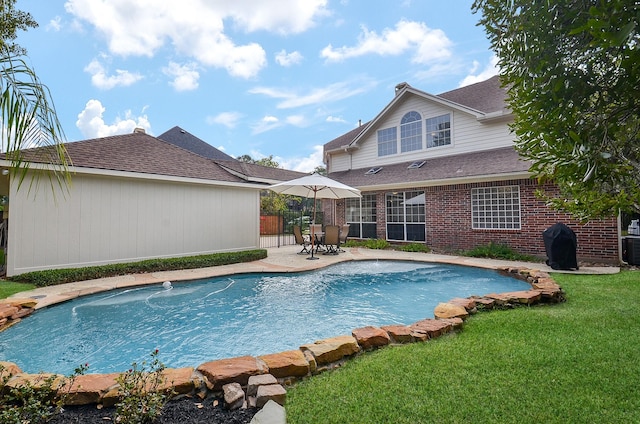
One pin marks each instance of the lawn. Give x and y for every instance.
(7, 288)
(574, 362)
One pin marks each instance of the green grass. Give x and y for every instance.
(7, 288)
(574, 362)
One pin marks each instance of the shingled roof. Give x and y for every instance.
(486, 97)
(142, 153)
(487, 163)
(182, 138)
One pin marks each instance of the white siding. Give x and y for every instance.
(108, 220)
(467, 135)
(339, 162)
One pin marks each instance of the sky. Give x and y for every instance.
(259, 77)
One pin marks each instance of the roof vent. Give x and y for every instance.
(373, 171)
(139, 130)
(417, 164)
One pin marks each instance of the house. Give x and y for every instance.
(133, 197)
(442, 170)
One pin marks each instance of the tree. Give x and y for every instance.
(572, 70)
(27, 113)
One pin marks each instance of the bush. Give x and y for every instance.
(415, 247)
(37, 402)
(141, 392)
(380, 244)
(498, 251)
(68, 275)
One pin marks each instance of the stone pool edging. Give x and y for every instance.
(265, 377)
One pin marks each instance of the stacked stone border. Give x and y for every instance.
(254, 381)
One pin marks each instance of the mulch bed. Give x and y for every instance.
(181, 411)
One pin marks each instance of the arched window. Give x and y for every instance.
(411, 132)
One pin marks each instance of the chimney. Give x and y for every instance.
(401, 86)
(139, 130)
(359, 122)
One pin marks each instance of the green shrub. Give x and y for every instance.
(35, 403)
(415, 247)
(68, 275)
(369, 243)
(141, 396)
(498, 251)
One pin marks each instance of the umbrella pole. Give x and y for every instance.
(313, 235)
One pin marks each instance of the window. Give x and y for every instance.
(406, 216)
(495, 208)
(387, 142)
(439, 131)
(361, 215)
(372, 171)
(411, 132)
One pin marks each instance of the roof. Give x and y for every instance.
(257, 172)
(139, 152)
(486, 97)
(488, 163)
(182, 138)
(345, 139)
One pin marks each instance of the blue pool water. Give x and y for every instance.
(252, 314)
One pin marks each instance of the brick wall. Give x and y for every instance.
(448, 226)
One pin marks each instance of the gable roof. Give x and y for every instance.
(485, 99)
(493, 164)
(182, 138)
(141, 153)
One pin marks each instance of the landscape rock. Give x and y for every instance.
(449, 310)
(274, 392)
(223, 371)
(399, 333)
(371, 337)
(233, 396)
(271, 413)
(291, 363)
(256, 381)
(89, 388)
(333, 349)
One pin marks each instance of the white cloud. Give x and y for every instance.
(54, 24)
(267, 123)
(322, 95)
(335, 119)
(101, 80)
(228, 119)
(303, 164)
(296, 120)
(92, 125)
(288, 59)
(426, 43)
(185, 77)
(489, 70)
(196, 28)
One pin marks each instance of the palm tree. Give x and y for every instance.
(29, 120)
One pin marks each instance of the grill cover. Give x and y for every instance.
(560, 243)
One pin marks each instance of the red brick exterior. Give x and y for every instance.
(448, 223)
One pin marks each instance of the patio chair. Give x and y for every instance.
(331, 239)
(301, 240)
(344, 233)
(316, 231)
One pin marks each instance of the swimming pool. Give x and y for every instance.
(246, 314)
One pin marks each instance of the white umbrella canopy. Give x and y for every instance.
(315, 186)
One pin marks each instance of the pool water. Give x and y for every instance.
(245, 314)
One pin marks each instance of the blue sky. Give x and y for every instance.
(257, 77)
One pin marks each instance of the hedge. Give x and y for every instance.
(53, 277)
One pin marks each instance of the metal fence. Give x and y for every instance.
(277, 230)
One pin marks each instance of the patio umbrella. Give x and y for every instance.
(315, 186)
